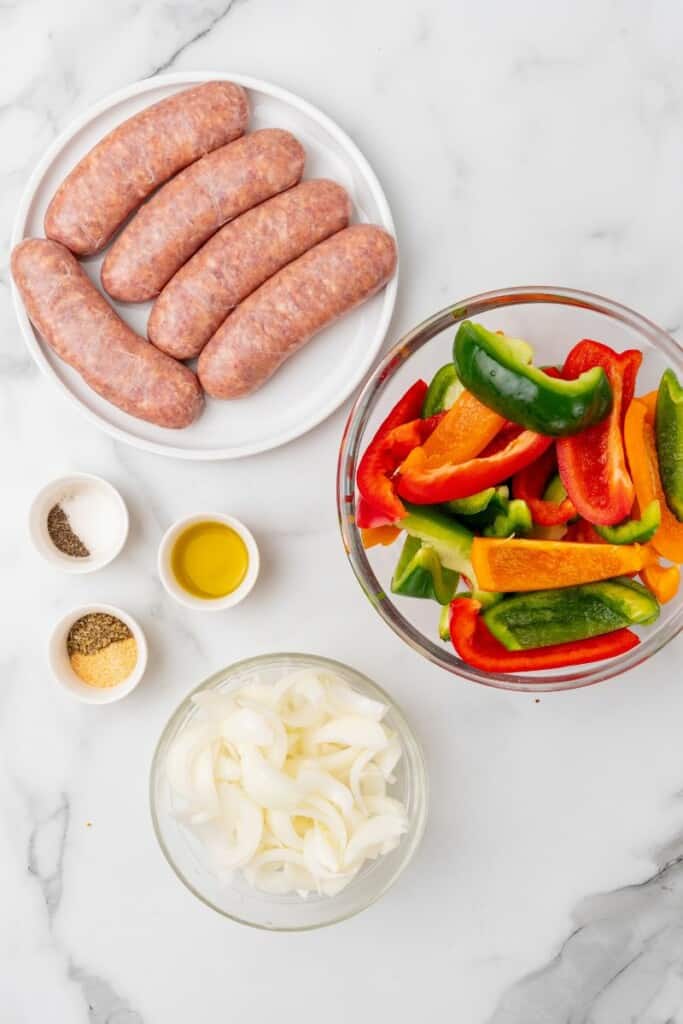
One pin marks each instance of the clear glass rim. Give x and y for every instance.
(349, 454)
(420, 780)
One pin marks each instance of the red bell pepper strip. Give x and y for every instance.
(508, 453)
(378, 466)
(593, 464)
(529, 485)
(370, 479)
(479, 648)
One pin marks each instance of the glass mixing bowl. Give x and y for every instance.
(552, 320)
(237, 899)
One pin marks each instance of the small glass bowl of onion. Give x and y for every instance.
(288, 792)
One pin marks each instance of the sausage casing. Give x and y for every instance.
(136, 157)
(78, 323)
(239, 258)
(183, 214)
(293, 305)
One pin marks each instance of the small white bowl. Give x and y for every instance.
(50, 495)
(207, 604)
(65, 675)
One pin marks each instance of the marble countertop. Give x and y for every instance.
(517, 143)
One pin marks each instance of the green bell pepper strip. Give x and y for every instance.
(488, 367)
(419, 573)
(442, 392)
(544, 618)
(516, 521)
(498, 503)
(669, 433)
(634, 531)
(451, 541)
(486, 598)
(471, 506)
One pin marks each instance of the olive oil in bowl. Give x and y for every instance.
(208, 561)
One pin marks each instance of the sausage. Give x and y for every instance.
(243, 254)
(139, 155)
(285, 312)
(193, 206)
(83, 329)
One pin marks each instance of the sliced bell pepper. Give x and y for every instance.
(382, 459)
(488, 367)
(419, 573)
(662, 580)
(634, 531)
(515, 521)
(368, 517)
(582, 532)
(498, 503)
(510, 565)
(641, 448)
(443, 390)
(650, 402)
(546, 617)
(485, 598)
(450, 539)
(669, 434)
(529, 485)
(592, 464)
(477, 647)
(426, 485)
(370, 469)
(473, 505)
(465, 430)
(374, 535)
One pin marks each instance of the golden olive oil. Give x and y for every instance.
(209, 560)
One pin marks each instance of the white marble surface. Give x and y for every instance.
(517, 143)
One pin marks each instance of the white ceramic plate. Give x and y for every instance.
(314, 382)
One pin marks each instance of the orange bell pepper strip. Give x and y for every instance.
(662, 580)
(374, 535)
(641, 450)
(513, 564)
(650, 402)
(477, 646)
(465, 430)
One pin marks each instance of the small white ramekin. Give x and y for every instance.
(65, 675)
(50, 495)
(207, 604)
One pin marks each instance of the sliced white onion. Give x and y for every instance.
(387, 759)
(352, 731)
(344, 700)
(371, 836)
(320, 856)
(287, 782)
(323, 811)
(280, 824)
(317, 782)
(268, 787)
(245, 725)
(356, 775)
(276, 753)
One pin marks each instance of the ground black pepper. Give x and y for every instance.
(95, 631)
(62, 536)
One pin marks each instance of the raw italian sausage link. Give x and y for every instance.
(139, 155)
(82, 328)
(285, 312)
(240, 257)
(193, 206)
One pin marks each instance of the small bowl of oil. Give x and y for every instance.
(208, 561)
